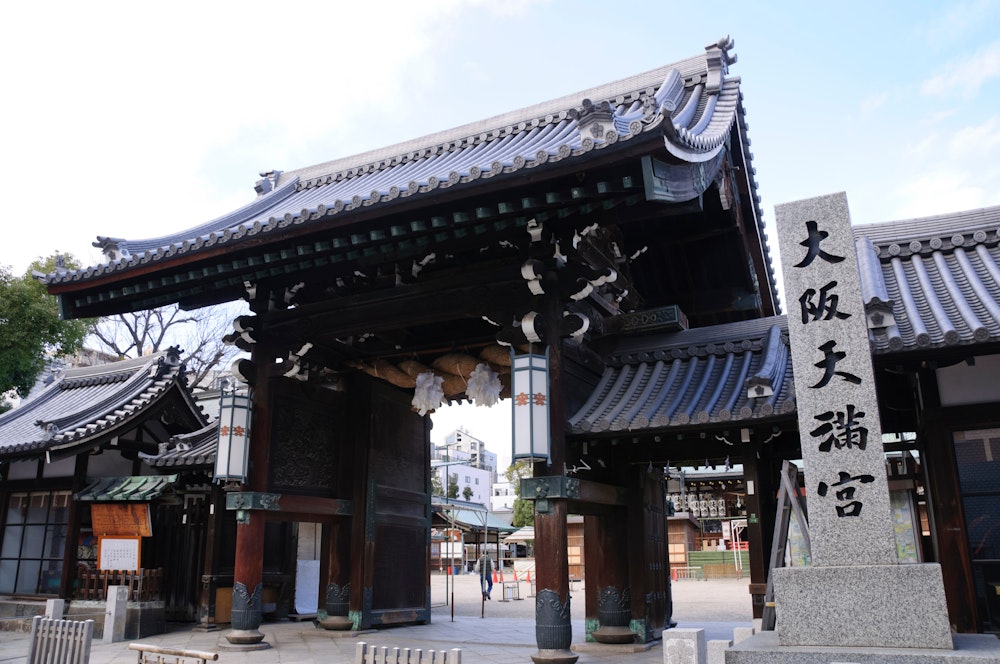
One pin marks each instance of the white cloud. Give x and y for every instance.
(874, 102)
(966, 76)
(937, 192)
(974, 143)
(950, 171)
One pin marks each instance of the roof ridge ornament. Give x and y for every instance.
(267, 183)
(718, 59)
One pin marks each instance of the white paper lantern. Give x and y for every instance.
(233, 450)
(530, 399)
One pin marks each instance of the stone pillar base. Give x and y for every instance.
(336, 623)
(243, 640)
(606, 634)
(865, 606)
(555, 657)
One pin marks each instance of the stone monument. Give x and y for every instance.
(855, 596)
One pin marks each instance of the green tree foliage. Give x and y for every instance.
(467, 492)
(453, 485)
(30, 327)
(436, 488)
(524, 510)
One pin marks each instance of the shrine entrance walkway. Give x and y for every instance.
(506, 635)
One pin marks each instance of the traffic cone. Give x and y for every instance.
(501, 576)
(529, 576)
(494, 576)
(516, 580)
(449, 570)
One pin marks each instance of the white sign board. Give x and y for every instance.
(118, 553)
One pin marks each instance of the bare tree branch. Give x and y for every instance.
(198, 334)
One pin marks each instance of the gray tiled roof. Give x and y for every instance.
(691, 106)
(942, 275)
(186, 450)
(84, 405)
(693, 377)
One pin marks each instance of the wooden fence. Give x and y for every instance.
(143, 586)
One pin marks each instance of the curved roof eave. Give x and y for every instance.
(85, 406)
(695, 103)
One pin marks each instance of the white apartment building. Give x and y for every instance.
(447, 460)
(479, 456)
(503, 497)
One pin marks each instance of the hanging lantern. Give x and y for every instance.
(233, 451)
(530, 392)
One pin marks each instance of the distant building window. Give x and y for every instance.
(477, 480)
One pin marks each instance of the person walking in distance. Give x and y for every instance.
(484, 566)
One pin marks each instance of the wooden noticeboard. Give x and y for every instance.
(119, 553)
(121, 519)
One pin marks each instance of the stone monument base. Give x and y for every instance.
(763, 648)
(865, 606)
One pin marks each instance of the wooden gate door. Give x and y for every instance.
(398, 517)
(651, 590)
(178, 546)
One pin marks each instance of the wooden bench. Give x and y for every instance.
(369, 654)
(150, 654)
(60, 641)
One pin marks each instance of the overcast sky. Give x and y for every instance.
(138, 119)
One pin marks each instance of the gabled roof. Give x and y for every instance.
(699, 376)
(941, 274)
(86, 406)
(691, 104)
(691, 110)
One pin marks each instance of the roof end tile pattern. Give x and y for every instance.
(942, 275)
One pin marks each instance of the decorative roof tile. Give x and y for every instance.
(187, 450)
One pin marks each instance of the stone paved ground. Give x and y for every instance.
(505, 635)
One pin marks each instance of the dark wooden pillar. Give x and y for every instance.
(336, 565)
(68, 577)
(609, 595)
(647, 553)
(210, 566)
(249, 569)
(553, 629)
(946, 512)
(759, 469)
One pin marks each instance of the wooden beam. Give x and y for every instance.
(570, 488)
(276, 502)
